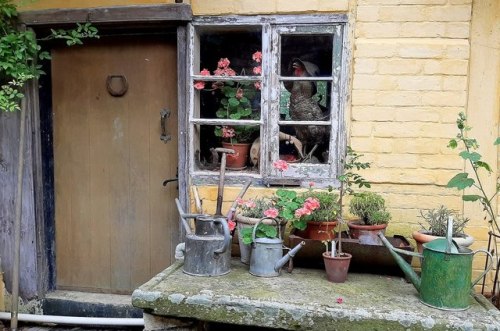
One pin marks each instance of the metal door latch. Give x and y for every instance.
(164, 115)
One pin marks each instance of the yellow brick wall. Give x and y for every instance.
(415, 65)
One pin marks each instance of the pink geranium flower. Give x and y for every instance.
(257, 56)
(257, 70)
(302, 211)
(340, 300)
(205, 72)
(239, 94)
(240, 201)
(311, 204)
(257, 85)
(271, 212)
(223, 63)
(231, 224)
(311, 184)
(227, 132)
(280, 165)
(199, 85)
(250, 204)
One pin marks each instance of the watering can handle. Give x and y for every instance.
(257, 224)
(227, 235)
(449, 234)
(485, 270)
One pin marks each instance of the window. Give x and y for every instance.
(276, 87)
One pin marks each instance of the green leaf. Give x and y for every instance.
(481, 164)
(452, 144)
(497, 142)
(461, 181)
(474, 157)
(233, 102)
(471, 197)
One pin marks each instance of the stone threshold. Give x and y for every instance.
(301, 300)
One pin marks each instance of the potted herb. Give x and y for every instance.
(373, 217)
(436, 220)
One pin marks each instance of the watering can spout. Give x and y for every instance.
(407, 269)
(281, 262)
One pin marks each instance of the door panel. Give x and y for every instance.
(116, 225)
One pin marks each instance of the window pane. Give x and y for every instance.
(304, 143)
(312, 55)
(213, 136)
(228, 99)
(238, 47)
(305, 101)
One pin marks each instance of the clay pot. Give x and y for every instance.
(366, 234)
(422, 236)
(319, 230)
(238, 160)
(336, 266)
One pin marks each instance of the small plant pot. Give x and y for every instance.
(320, 230)
(421, 237)
(238, 160)
(366, 234)
(337, 266)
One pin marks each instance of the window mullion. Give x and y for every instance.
(274, 97)
(193, 51)
(336, 104)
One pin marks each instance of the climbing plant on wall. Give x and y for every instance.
(20, 53)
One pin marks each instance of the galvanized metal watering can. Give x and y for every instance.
(267, 258)
(207, 251)
(445, 282)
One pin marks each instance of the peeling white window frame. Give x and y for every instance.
(272, 27)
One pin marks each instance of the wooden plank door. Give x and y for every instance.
(116, 225)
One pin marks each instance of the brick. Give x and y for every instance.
(423, 29)
(421, 51)
(374, 82)
(456, 13)
(438, 130)
(457, 30)
(365, 66)
(437, 161)
(364, 97)
(447, 67)
(377, 30)
(404, 2)
(413, 176)
(306, 5)
(460, 2)
(434, 48)
(395, 129)
(398, 98)
(414, 114)
(444, 98)
(417, 146)
(371, 144)
(367, 13)
(370, 48)
(449, 114)
(396, 161)
(399, 66)
(419, 83)
(455, 83)
(457, 51)
(373, 113)
(361, 129)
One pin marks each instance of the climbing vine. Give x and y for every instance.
(20, 53)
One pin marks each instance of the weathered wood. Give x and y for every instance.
(118, 14)
(115, 220)
(271, 19)
(9, 137)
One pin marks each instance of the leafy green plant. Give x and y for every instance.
(370, 207)
(20, 53)
(463, 180)
(437, 220)
(263, 231)
(328, 209)
(287, 202)
(254, 208)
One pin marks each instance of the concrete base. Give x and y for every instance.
(302, 300)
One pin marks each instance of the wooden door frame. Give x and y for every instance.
(120, 20)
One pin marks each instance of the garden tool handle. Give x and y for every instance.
(264, 218)
(487, 268)
(227, 235)
(449, 234)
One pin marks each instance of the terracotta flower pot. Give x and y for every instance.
(238, 160)
(336, 266)
(422, 236)
(366, 234)
(319, 230)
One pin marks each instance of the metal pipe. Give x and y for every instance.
(73, 320)
(17, 220)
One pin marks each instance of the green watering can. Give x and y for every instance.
(446, 271)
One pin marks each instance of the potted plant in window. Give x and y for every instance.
(248, 214)
(373, 217)
(437, 225)
(236, 102)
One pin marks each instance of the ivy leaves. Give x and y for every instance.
(20, 51)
